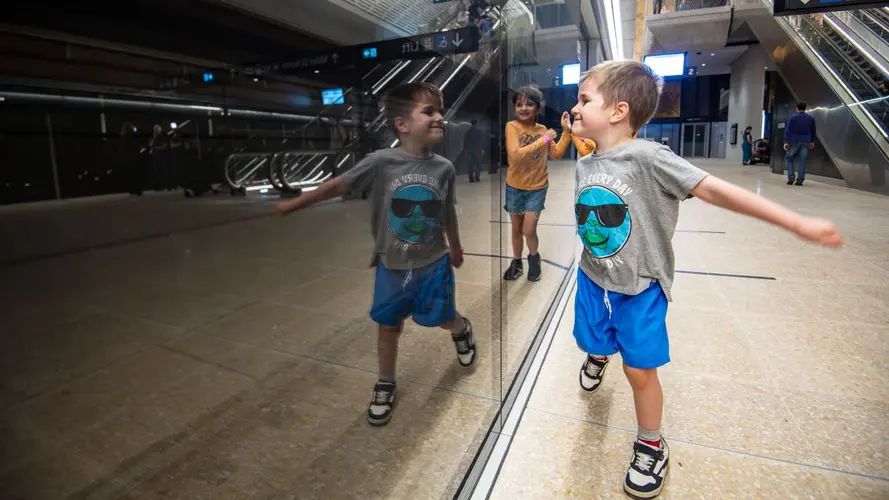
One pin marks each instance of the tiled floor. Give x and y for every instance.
(169, 348)
(197, 349)
(778, 388)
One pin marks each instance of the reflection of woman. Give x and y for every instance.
(747, 145)
(129, 159)
(159, 148)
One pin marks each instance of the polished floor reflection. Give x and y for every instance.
(160, 347)
(779, 384)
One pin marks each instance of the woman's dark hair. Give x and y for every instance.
(531, 93)
(748, 129)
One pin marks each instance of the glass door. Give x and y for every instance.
(695, 140)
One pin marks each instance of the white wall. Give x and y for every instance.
(746, 97)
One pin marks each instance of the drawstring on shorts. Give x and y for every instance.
(407, 278)
(607, 304)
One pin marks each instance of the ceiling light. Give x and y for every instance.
(256, 79)
(703, 64)
(712, 54)
(317, 71)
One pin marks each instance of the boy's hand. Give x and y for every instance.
(551, 134)
(820, 231)
(566, 122)
(456, 257)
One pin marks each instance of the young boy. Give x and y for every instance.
(627, 198)
(411, 194)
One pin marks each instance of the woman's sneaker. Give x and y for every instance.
(465, 344)
(516, 269)
(592, 372)
(648, 470)
(379, 412)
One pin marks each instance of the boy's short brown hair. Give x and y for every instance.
(401, 100)
(631, 82)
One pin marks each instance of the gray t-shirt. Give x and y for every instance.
(627, 206)
(410, 200)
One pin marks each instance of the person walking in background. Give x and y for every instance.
(747, 145)
(159, 149)
(473, 144)
(799, 138)
(129, 159)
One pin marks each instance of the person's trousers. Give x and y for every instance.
(797, 150)
(473, 164)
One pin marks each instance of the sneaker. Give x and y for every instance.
(534, 267)
(465, 344)
(516, 269)
(790, 180)
(592, 372)
(379, 412)
(648, 470)
(799, 183)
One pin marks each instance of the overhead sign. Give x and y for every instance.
(458, 41)
(792, 7)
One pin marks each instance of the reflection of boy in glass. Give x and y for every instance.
(416, 237)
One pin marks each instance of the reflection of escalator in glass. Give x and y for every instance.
(858, 70)
(458, 75)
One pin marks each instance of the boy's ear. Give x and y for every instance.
(401, 124)
(621, 112)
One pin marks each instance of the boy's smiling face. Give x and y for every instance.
(591, 115)
(425, 124)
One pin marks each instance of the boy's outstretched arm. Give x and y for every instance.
(729, 196)
(328, 190)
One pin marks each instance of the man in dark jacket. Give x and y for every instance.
(799, 138)
(473, 148)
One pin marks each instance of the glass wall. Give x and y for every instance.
(170, 335)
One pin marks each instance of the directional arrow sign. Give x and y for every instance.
(457, 40)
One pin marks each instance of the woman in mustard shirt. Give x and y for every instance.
(527, 179)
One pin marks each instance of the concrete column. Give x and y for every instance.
(746, 97)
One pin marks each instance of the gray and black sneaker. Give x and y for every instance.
(534, 267)
(648, 470)
(465, 344)
(379, 412)
(516, 269)
(592, 372)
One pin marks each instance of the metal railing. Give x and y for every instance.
(288, 172)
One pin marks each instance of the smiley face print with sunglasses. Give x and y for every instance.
(415, 214)
(603, 221)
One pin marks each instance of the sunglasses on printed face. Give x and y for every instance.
(609, 215)
(404, 208)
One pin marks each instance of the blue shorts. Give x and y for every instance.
(426, 293)
(519, 201)
(636, 326)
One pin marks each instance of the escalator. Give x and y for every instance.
(876, 21)
(860, 71)
(844, 84)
